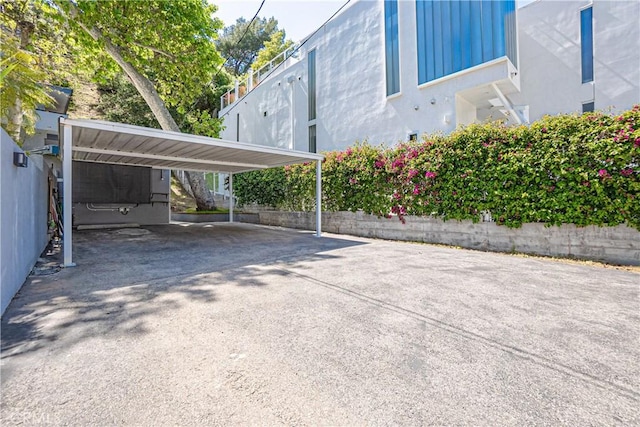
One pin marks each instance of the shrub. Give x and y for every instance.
(583, 170)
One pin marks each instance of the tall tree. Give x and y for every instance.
(34, 53)
(241, 42)
(272, 48)
(164, 47)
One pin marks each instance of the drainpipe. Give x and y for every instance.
(291, 80)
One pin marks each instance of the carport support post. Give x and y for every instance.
(230, 197)
(67, 189)
(319, 198)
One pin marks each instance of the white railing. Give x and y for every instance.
(255, 77)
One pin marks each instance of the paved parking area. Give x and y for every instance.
(236, 324)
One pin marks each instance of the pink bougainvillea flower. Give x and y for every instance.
(637, 143)
(416, 190)
(430, 174)
(353, 181)
(626, 172)
(348, 152)
(602, 173)
(412, 173)
(397, 164)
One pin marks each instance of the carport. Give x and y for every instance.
(116, 143)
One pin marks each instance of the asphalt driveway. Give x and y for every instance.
(236, 324)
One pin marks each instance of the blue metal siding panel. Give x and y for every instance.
(465, 31)
(457, 34)
(498, 9)
(586, 44)
(437, 38)
(430, 41)
(476, 33)
(487, 30)
(447, 39)
(421, 42)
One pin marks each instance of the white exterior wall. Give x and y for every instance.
(23, 218)
(350, 78)
(351, 94)
(550, 55)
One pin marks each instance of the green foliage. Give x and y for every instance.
(272, 48)
(169, 42)
(120, 102)
(241, 45)
(20, 90)
(34, 51)
(582, 170)
(265, 187)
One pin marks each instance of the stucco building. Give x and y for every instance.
(390, 70)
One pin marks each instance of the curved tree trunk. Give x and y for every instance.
(204, 197)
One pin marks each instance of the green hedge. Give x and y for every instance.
(583, 170)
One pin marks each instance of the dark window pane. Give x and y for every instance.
(510, 34)
(312, 139)
(587, 107)
(392, 53)
(312, 84)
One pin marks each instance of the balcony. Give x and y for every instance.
(281, 62)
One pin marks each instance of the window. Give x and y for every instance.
(312, 139)
(238, 127)
(413, 137)
(392, 52)
(456, 35)
(586, 44)
(588, 107)
(311, 60)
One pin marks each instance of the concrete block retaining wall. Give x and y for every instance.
(618, 245)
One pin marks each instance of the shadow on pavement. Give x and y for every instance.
(124, 276)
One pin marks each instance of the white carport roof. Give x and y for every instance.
(116, 143)
(107, 142)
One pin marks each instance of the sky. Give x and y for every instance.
(298, 18)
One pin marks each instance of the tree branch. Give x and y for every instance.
(153, 49)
